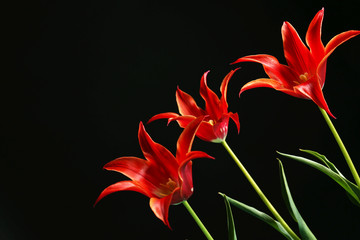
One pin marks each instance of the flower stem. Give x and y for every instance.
(342, 146)
(259, 192)
(197, 220)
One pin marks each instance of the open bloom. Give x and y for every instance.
(163, 178)
(215, 125)
(304, 77)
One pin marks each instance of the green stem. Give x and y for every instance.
(197, 220)
(259, 192)
(342, 146)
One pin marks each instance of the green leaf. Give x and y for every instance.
(260, 215)
(230, 219)
(303, 228)
(332, 172)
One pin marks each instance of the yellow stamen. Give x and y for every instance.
(304, 77)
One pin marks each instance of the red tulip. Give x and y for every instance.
(304, 77)
(163, 178)
(215, 125)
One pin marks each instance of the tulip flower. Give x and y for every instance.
(216, 116)
(161, 176)
(304, 77)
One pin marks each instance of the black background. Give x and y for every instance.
(80, 75)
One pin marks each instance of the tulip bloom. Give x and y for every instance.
(163, 178)
(304, 77)
(215, 125)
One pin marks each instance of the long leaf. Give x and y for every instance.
(349, 187)
(260, 215)
(230, 219)
(304, 230)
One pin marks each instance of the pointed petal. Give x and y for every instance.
(157, 154)
(120, 186)
(296, 53)
(205, 131)
(186, 139)
(211, 99)
(140, 171)
(312, 90)
(168, 115)
(223, 90)
(197, 154)
(160, 207)
(235, 118)
(338, 40)
(313, 37)
(269, 83)
(330, 47)
(187, 104)
(282, 73)
(185, 173)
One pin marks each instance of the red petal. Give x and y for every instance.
(282, 73)
(168, 115)
(187, 105)
(142, 172)
(120, 186)
(157, 154)
(330, 47)
(221, 128)
(185, 174)
(160, 207)
(313, 37)
(197, 154)
(313, 91)
(269, 83)
(212, 101)
(223, 90)
(186, 139)
(235, 118)
(205, 131)
(339, 39)
(296, 53)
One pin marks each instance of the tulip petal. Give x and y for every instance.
(156, 153)
(223, 90)
(269, 83)
(313, 37)
(211, 99)
(160, 207)
(120, 186)
(187, 104)
(312, 90)
(186, 139)
(146, 175)
(338, 40)
(297, 55)
(282, 73)
(235, 118)
(168, 115)
(185, 174)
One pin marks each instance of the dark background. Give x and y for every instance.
(80, 75)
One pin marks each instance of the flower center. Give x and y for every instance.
(171, 184)
(304, 77)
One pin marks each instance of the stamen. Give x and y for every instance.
(304, 77)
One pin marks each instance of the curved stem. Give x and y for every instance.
(197, 220)
(342, 146)
(259, 192)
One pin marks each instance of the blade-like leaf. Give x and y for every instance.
(351, 188)
(303, 228)
(324, 160)
(260, 215)
(230, 219)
